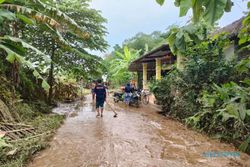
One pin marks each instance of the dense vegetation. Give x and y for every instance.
(211, 93)
(118, 61)
(43, 57)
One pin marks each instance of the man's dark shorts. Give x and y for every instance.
(99, 104)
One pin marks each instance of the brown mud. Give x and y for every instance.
(137, 138)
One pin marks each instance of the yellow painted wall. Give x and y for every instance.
(158, 69)
(145, 75)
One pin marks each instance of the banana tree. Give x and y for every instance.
(14, 47)
(38, 13)
(35, 10)
(119, 65)
(210, 10)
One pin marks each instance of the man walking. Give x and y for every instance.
(100, 92)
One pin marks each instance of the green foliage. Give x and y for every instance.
(209, 10)
(26, 148)
(161, 2)
(5, 14)
(30, 110)
(179, 39)
(243, 67)
(166, 85)
(37, 35)
(45, 14)
(43, 123)
(118, 61)
(245, 146)
(31, 114)
(211, 93)
(66, 88)
(245, 31)
(41, 106)
(145, 42)
(88, 18)
(215, 9)
(3, 143)
(5, 91)
(178, 92)
(24, 151)
(18, 44)
(15, 50)
(63, 29)
(25, 112)
(49, 124)
(118, 66)
(225, 112)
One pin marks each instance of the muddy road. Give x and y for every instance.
(137, 138)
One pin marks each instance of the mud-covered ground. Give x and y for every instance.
(137, 138)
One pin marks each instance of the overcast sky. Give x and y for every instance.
(128, 17)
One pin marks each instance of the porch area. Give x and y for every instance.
(153, 65)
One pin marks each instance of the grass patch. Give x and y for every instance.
(45, 125)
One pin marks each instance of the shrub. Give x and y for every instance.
(210, 94)
(225, 112)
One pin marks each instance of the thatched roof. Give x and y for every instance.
(233, 29)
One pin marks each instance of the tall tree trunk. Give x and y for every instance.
(51, 72)
(15, 69)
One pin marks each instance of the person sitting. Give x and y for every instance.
(127, 95)
(133, 87)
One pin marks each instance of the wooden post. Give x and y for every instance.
(158, 68)
(145, 75)
(137, 80)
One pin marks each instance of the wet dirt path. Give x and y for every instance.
(137, 138)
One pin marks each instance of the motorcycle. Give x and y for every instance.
(144, 96)
(133, 101)
(118, 97)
